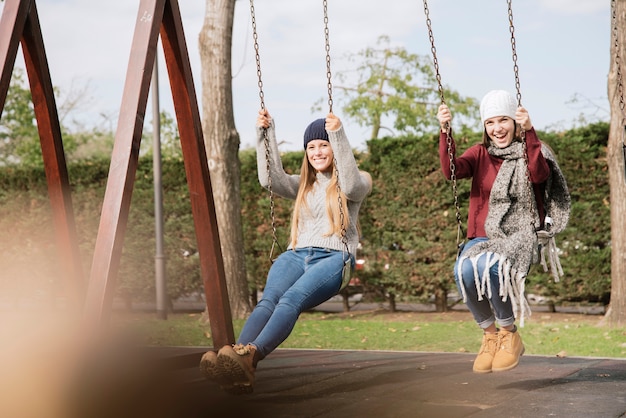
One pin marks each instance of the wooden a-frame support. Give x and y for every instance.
(152, 16)
(20, 23)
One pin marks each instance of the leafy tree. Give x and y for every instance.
(169, 138)
(395, 84)
(18, 130)
(19, 137)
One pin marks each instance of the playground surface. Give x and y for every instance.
(331, 383)
(52, 374)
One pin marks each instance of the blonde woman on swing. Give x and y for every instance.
(310, 271)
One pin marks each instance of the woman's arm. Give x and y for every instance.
(537, 165)
(354, 183)
(283, 184)
(463, 167)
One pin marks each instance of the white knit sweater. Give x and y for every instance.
(314, 223)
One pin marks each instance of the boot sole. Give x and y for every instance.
(213, 372)
(241, 382)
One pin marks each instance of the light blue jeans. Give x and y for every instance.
(488, 310)
(298, 281)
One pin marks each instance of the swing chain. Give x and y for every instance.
(531, 193)
(460, 234)
(513, 47)
(257, 55)
(266, 141)
(327, 44)
(434, 51)
(342, 215)
(619, 79)
(618, 67)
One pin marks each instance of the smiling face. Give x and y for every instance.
(500, 130)
(320, 155)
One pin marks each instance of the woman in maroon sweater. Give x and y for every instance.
(502, 220)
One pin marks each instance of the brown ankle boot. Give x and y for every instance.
(509, 351)
(239, 363)
(488, 349)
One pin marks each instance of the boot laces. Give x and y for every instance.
(505, 341)
(490, 344)
(241, 349)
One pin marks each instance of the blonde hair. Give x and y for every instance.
(307, 179)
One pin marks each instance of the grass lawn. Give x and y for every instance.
(549, 334)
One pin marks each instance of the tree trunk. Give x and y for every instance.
(441, 300)
(616, 314)
(392, 302)
(222, 145)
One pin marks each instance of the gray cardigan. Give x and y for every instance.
(314, 223)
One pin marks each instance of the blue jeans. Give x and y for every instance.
(483, 310)
(297, 281)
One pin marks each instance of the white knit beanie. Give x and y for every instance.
(497, 103)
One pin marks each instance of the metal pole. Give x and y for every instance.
(159, 258)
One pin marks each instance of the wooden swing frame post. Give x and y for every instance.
(20, 23)
(155, 15)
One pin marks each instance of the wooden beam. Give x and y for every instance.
(20, 22)
(198, 177)
(154, 15)
(121, 179)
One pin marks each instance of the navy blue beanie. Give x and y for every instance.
(315, 130)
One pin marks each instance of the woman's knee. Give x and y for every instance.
(266, 304)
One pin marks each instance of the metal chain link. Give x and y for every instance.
(619, 79)
(513, 47)
(327, 45)
(266, 141)
(529, 184)
(618, 66)
(434, 51)
(460, 233)
(342, 216)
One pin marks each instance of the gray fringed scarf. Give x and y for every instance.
(511, 224)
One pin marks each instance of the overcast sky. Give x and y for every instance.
(563, 49)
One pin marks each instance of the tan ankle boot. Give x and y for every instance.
(509, 351)
(239, 363)
(488, 349)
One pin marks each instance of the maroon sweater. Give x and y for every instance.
(483, 168)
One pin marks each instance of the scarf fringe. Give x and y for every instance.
(549, 252)
(512, 282)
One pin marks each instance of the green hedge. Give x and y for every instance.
(408, 223)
